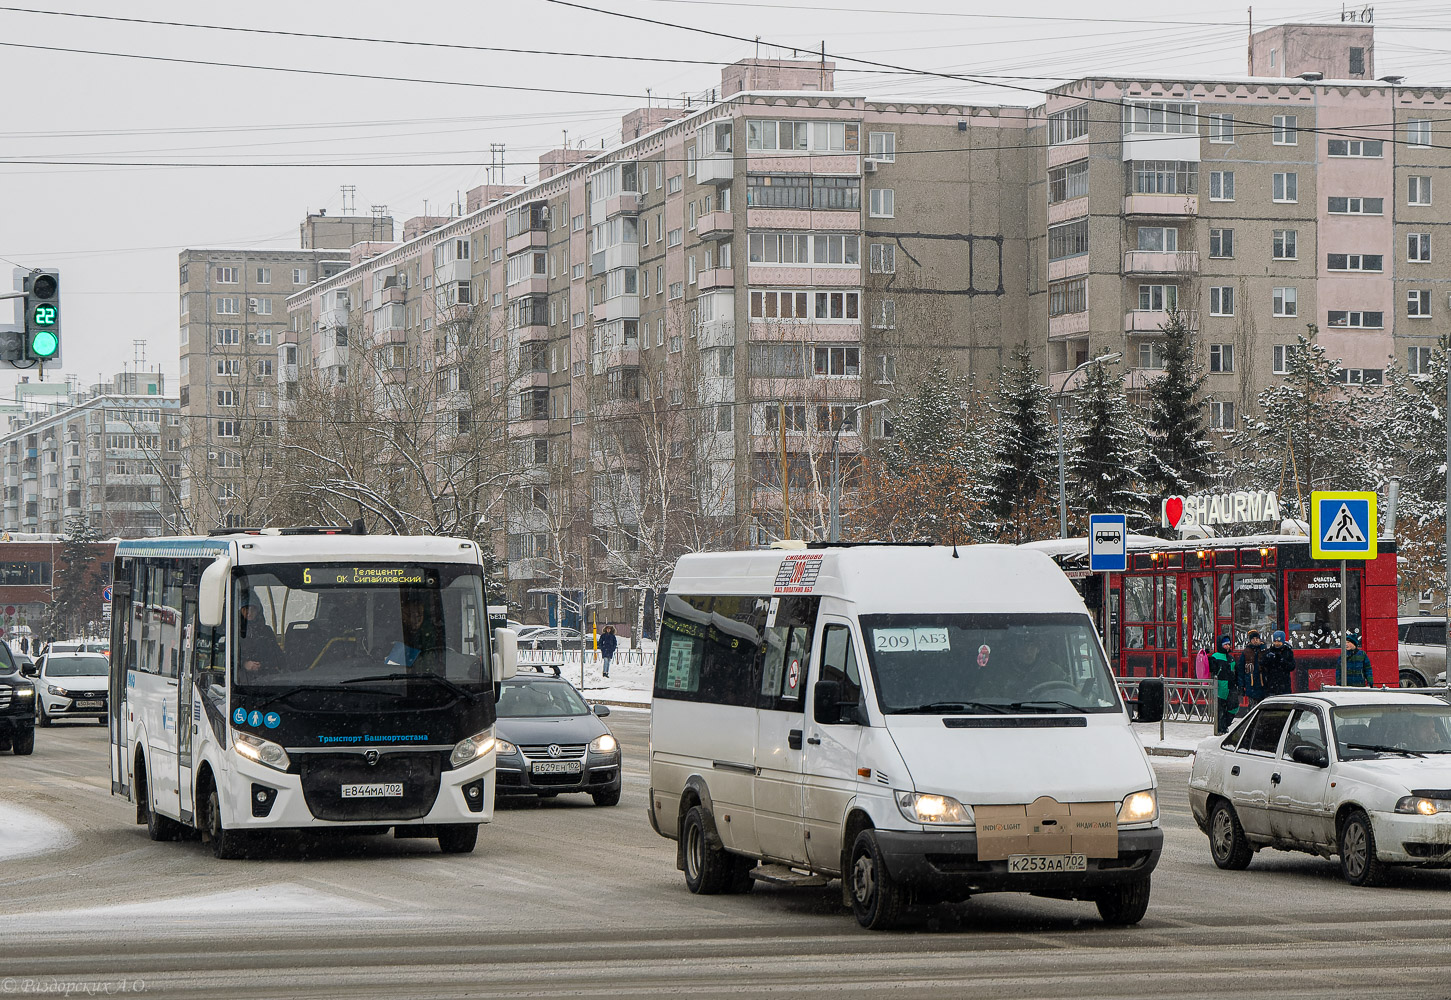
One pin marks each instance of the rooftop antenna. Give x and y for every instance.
(379, 213)
(139, 347)
(349, 204)
(496, 163)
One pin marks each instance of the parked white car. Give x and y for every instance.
(1363, 775)
(1422, 649)
(70, 685)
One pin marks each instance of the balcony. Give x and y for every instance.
(455, 271)
(1161, 262)
(716, 277)
(537, 284)
(1067, 325)
(714, 225)
(527, 240)
(715, 168)
(624, 203)
(1154, 320)
(1163, 205)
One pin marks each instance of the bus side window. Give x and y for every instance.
(838, 663)
(787, 653)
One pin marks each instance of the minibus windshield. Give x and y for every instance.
(960, 664)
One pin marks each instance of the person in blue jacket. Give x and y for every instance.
(608, 644)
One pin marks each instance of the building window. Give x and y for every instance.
(1367, 148)
(1221, 300)
(1355, 319)
(883, 203)
(1354, 262)
(1284, 244)
(227, 306)
(1221, 242)
(1286, 302)
(830, 193)
(1151, 355)
(229, 367)
(677, 290)
(1160, 117)
(1418, 190)
(228, 337)
(1418, 303)
(1221, 415)
(1283, 131)
(885, 315)
(882, 147)
(226, 397)
(1068, 240)
(1163, 176)
(1221, 185)
(1067, 182)
(1162, 238)
(1418, 360)
(1221, 358)
(884, 258)
(1362, 376)
(673, 185)
(1418, 247)
(1418, 132)
(263, 337)
(836, 362)
(677, 237)
(1071, 123)
(1357, 60)
(1287, 187)
(1158, 298)
(264, 275)
(299, 275)
(1357, 206)
(1221, 128)
(226, 275)
(1065, 297)
(1284, 354)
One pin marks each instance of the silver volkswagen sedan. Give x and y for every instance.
(1364, 776)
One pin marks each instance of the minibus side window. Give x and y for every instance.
(838, 663)
(787, 652)
(710, 649)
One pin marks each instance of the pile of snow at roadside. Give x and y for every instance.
(631, 676)
(24, 833)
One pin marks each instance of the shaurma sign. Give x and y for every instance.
(1241, 507)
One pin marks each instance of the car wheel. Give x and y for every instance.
(226, 844)
(41, 718)
(1124, 905)
(1411, 679)
(707, 868)
(1227, 843)
(877, 900)
(1358, 862)
(23, 743)
(458, 838)
(608, 797)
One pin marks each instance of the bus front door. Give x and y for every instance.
(189, 711)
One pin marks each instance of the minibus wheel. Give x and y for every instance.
(1125, 904)
(877, 900)
(708, 869)
(458, 838)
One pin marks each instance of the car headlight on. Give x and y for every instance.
(934, 810)
(504, 748)
(472, 748)
(1422, 805)
(25, 692)
(604, 744)
(1139, 807)
(260, 750)
(59, 692)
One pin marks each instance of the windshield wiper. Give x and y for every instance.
(1377, 748)
(951, 706)
(458, 690)
(1049, 703)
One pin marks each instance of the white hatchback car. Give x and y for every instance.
(1365, 775)
(72, 684)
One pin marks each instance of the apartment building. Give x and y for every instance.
(233, 302)
(1255, 207)
(759, 258)
(107, 453)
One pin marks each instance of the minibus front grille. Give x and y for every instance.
(324, 775)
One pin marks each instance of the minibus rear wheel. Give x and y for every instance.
(876, 898)
(709, 870)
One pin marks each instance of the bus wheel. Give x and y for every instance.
(226, 844)
(158, 827)
(458, 838)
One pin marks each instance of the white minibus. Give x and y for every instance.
(923, 722)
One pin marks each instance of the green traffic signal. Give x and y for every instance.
(44, 344)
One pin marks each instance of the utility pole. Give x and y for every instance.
(786, 478)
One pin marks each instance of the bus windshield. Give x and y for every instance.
(361, 626)
(956, 664)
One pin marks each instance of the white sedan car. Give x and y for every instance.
(1365, 775)
(70, 685)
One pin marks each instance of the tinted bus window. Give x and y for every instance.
(787, 653)
(710, 649)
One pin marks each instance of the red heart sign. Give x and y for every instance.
(1173, 511)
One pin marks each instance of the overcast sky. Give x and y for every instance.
(114, 231)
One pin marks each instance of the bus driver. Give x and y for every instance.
(257, 649)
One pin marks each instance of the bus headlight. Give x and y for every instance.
(935, 810)
(603, 744)
(260, 750)
(1139, 807)
(472, 748)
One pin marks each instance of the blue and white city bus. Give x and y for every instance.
(284, 679)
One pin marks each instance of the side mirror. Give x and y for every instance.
(211, 603)
(1151, 700)
(30, 670)
(602, 710)
(506, 653)
(828, 703)
(1313, 756)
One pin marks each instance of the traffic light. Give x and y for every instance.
(42, 316)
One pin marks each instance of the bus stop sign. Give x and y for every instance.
(1108, 543)
(1342, 525)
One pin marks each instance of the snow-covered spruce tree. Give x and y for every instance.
(1024, 457)
(1178, 457)
(928, 424)
(1106, 448)
(1412, 415)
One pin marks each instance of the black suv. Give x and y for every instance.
(17, 706)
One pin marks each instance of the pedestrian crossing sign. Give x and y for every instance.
(1342, 525)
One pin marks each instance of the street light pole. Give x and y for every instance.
(834, 530)
(1062, 488)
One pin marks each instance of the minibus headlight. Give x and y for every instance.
(472, 748)
(1139, 807)
(260, 750)
(603, 744)
(934, 810)
(1421, 805)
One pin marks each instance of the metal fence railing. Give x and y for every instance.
(1186, 699)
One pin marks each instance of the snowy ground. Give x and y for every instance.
(24, 833)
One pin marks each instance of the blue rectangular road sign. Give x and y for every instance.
(1343, 525)
(1108, 543)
